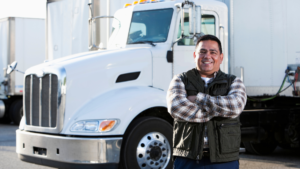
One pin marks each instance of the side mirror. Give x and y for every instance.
(11, 67)
(195, 19)
(198, 19)
(192, 19)
(182, 21)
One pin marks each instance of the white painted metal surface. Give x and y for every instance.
(29, 46)
(263, 40)
(67, 28)
(67, 25)
(21, 40)
(3, 49)
(91, 85)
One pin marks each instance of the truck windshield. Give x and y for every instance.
(150, 26)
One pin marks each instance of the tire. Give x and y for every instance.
(262, 148)
(147, 144)
(5, 119)
(285, 146)
(16, 111)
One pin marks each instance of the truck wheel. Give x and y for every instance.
(5, 119)
(262, 148)
(16, 111)
(285, 146)
(148, 144)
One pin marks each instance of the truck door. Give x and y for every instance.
(183, 50)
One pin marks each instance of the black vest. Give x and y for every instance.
(224, 134)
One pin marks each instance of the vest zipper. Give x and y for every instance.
(199, 147)
(227, 124)
(206, 92)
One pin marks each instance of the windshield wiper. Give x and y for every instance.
(148, 42)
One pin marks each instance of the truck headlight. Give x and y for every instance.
(94, 125)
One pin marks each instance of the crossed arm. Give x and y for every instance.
(203, 107)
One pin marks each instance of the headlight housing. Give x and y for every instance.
(96, 126)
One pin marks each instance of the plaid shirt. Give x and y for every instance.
(205, 106)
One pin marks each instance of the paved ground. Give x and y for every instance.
(280, 159)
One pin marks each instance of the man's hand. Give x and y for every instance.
(192, 98)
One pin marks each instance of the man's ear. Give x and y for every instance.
(221, 56)
(194, 55)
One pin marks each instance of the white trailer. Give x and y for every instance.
(21, 39)
(68, 29)
(108, 108)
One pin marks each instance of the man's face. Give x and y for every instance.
(208, 58)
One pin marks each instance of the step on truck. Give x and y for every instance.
(108, 108)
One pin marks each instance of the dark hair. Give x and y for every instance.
(210, 37)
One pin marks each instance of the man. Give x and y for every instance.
(205, 104)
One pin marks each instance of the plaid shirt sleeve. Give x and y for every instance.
(205, 107)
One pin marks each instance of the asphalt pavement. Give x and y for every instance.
(280, 159)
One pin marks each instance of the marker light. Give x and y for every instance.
(135, 2)
(107, 125)
(142, 1)
(126, 5)
(153, 1)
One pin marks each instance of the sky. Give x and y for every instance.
(23, 8)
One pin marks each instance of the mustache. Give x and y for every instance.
(207, 60)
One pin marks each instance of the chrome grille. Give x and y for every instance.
(41, 96)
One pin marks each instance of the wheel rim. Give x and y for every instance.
(153, 151)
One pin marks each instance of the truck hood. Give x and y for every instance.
(91, 74)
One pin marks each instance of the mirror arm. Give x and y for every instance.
(92, 21)
(19, 71)
(99, 17)
(194, 17)
(182, 21)
(92, 29)
(183, 37)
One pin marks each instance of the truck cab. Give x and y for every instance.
(105, 108)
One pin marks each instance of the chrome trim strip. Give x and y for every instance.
(242, 74)
(61, 74)
(50, 85)
(96, 150)
(50, 1)
(40, 102)
(31, 93)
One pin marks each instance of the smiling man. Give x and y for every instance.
(205, 104)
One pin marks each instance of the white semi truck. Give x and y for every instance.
(108, 108)
(21, 39)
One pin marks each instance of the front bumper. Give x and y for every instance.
(47, 149)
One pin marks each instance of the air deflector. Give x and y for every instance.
(128, 77)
